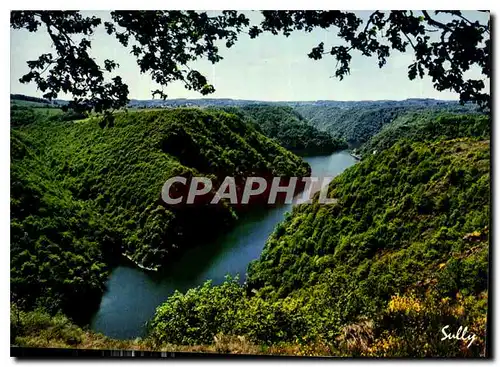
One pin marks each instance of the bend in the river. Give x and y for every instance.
(132, 294)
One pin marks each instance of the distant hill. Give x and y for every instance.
(22, 97)
(428, 126)
(353, 121)
(209, 102)
(358, 123)
(177, 102)
(24, 100)
(289, 128)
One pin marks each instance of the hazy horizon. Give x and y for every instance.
(262, 100)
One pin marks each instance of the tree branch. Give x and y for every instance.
(409, 40)
(435, 22)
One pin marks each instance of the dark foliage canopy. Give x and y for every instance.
(166, 42)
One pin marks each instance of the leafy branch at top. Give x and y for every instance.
(165, 43)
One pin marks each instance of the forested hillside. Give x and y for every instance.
(430, 126)
(358, 124)
(81, 195)
(116, 241)
(402, 253)
(58, 243)
(335, 280)
(289, 129)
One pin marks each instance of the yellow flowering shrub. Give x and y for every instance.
(405, 304)
(412, 326)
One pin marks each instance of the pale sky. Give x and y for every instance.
(268, 68)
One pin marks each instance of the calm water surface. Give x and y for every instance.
(132, 295)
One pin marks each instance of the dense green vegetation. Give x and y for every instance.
(402, 253)
(289, 129)
(81, 195)
(413, 195)
(428, 126)
(40, 329)
(358, 124)
(57, 241)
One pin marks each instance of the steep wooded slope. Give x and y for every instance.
(81, 194)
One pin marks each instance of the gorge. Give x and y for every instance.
(133, 294)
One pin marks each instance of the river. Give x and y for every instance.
(132, 294)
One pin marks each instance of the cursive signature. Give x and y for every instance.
(461, 334)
